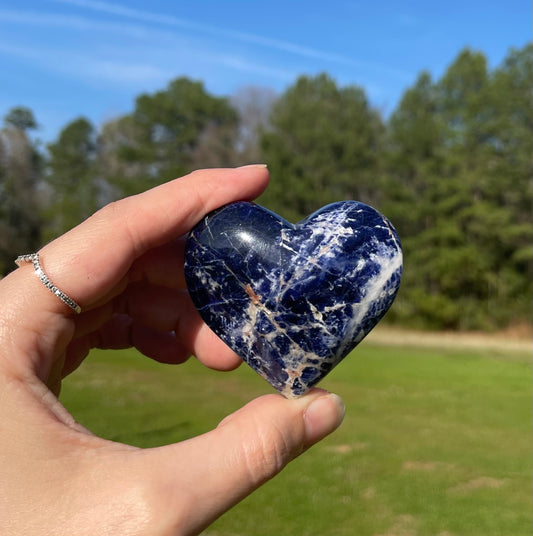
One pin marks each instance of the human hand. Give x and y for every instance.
(124, 266)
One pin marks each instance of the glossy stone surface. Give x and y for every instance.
(293, 300)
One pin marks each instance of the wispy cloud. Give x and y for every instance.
(72, 22)
(126, 68)
(240, 64)
(236, 35)
(158, 47)
(88, 67)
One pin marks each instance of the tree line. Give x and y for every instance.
(451, 167)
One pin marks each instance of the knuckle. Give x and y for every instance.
(269, 452)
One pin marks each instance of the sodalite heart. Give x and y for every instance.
(293, 300)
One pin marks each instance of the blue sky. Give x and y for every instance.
(66, 58)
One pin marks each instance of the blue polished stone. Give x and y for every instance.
(293, 300)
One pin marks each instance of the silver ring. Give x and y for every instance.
(34, 259)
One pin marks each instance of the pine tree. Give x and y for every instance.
(72, 177)
(322, 146)
(20, 173)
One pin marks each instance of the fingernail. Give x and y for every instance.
(323, 416)
(253, 166)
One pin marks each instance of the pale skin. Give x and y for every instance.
(124, 266)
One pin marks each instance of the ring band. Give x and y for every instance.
(34, 259)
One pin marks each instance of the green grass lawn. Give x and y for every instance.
(436, 442)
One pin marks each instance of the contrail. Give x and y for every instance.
(170, 20)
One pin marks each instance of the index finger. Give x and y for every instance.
(90, 259)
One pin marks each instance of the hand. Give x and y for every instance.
(124, 266)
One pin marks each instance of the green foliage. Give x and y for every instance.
(72, 177)
(459, 157)
(158, 141)
(435, 441)
(322, 146)
(20, 117)
(20, 173)
(451, 168)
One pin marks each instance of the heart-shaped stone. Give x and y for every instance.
(293, 300)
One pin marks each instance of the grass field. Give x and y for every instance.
(436, 442)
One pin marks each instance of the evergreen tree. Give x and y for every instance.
(72, 177)
(20, 172)
(455, 198)
(322, 146)
(452, 169)
(160, 140)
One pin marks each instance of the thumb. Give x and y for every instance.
(209, 474)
